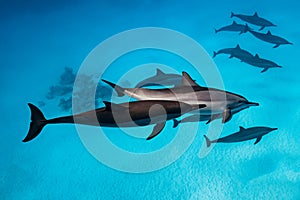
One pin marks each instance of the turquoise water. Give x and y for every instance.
(38, 40)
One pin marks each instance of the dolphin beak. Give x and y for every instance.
(252, 103)
(274, 129)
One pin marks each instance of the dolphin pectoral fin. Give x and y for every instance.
(176, 123)
(258, 139)
(226, 115)
(261, 28)
(231, 56)
(277, 45)
(156, 130)
(264, 70)
(213, 117)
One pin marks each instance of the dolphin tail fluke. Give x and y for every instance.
(215, 54)
(232, 15)
(175, 123)
(247, 28)
(208, 142)
(118, 89)
(38, 121)
(216, 31)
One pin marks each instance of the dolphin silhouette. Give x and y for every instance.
(261, 62)
(254, 19)
(270, 38)
(242, 135)
(161, 78)
(142, 113)
(219, 103)
(234, 27)
(236, 52)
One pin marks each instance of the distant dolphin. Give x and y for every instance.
(219, 103)
(236, 52)
(242, 135)
(261, 62)
(234, 27)
(116, 115)
(270, 38)
(161, 78)
(254, 19)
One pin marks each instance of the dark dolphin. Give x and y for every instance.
(261, 63)
(142, 113)
(161, 78)
(219, 103)
(242, 135)
(234, 27)
(236, 52)
(254, 19)
(270, 38)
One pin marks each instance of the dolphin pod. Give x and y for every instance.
(116, 115)
(242, 135)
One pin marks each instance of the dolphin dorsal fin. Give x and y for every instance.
(255, 14)
(242, 128)
(256, 56)
(187, 80)
(109, 105)
(159, 72)
(269, 33)
(238, 46)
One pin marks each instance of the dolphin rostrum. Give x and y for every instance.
(132, 114)
(254, 19)
(161, 78)
(234, 27)
(270, 38)
(236, 52)
(242, 135)
(219, 103)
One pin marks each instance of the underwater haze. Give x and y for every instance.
(44, 43)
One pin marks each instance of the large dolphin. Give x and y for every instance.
(234, 27)
(236, 52)
(270, 38)
(142, 113)
(254, 19)
(219, 103)
(261, 63)
(161, 78)
(242, 135)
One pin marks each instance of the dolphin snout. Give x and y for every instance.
(252, 103)
(274, 129)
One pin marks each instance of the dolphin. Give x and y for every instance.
(235, 27)
(236, 52)
(254, 19)
(261, 62)
(243, 135)
(116, 115)
(270, 38)
(219, 103)
(161, 78)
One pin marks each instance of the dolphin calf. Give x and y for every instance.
(161, 78)
(234, 27)
(261, 63)
(236, 52)
(242, 135)
(219, 103)
(270, 38)
(254, 19)
(142, 113)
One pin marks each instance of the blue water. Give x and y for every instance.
(39, 39)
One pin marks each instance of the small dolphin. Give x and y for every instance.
(242, 135)
(234, 27)
(219, 103)
(116, 115)
(270, 38)
(161, 78)
(254, 19)
(236, 52)
(261, 62)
